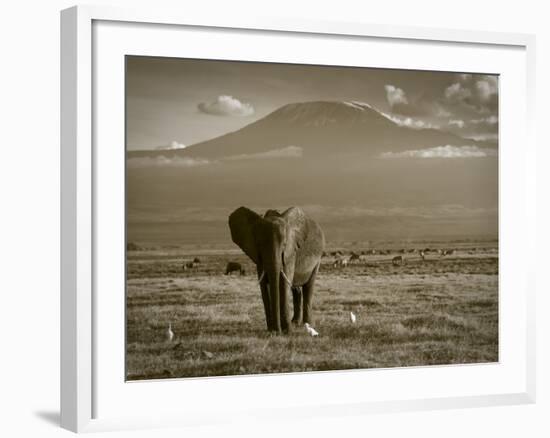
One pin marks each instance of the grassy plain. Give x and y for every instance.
(442, 310)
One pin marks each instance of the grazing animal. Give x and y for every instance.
(446, 252)
(169, 333)
(354, 257)
(398, 260)
(352, 317)
(188, 265)
(196, 260)
(341, 262)
(311, 331)
(286, 249)
(234, 267)
(131, 246)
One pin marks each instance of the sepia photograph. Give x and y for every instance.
(285, 218)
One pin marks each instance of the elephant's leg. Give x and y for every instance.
(297, 301)
(308, 290)
(284, 298)
(267, 306)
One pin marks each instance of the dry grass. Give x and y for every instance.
(438, 311)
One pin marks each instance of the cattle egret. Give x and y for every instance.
(352, 317)
(311, 331)
(169, 333)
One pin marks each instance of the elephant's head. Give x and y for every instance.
(272, 242)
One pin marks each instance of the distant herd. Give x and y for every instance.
(229, 269)
(343, 259)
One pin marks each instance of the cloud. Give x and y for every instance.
(473, 92)
(487, 87)
(162, 161)
(447, 151)
(395, 95)
(286, 152)
(440, 111)
(226, 106)
(457, 92)
(481, 128)
(491, 120)
(457, 123)
(183, 162)
(409, 122)
(172, 146)
(484, 137)
(400, 104)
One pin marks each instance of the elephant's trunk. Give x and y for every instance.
(273, 274)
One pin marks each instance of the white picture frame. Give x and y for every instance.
(83, 174)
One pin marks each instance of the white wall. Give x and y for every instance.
(29, 249)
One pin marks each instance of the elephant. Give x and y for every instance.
(234, 267)
(286, 249)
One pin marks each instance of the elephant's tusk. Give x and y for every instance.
(261, 277)
(286, 278)
(282, 273)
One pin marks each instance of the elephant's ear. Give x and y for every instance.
(241, 224)
(297, 233)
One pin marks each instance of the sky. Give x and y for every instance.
(174, 103)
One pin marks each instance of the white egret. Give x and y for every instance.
(169, 333)
(352, 317)
(311, 331)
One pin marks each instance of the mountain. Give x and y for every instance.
(321, 127)
(325, 158)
